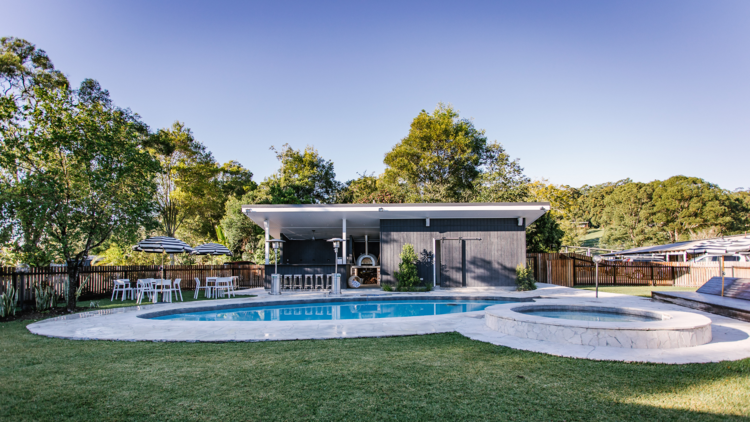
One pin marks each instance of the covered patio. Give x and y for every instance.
(459, 245)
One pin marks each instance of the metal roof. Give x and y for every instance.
(298, 221)
(721, 245)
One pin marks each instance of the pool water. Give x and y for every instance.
(338, 310)
(592, 316)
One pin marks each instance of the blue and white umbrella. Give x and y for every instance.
(162, 244)
(211, 249)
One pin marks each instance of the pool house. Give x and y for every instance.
(458, 245)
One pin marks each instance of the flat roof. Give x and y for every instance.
(298, 221)
(717, 245)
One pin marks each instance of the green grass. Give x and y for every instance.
(592, 238)
(644, 291)
(432, 377)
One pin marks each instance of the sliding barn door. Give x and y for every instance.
(452, 263)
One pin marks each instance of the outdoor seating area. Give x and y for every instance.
(165, 290)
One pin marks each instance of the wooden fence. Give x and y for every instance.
(99, 278)
(579, 270)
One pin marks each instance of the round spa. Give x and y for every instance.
(597, 325)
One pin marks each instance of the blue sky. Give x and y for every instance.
(583, 92)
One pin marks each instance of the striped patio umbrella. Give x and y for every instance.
(211, 249)
(163, 245)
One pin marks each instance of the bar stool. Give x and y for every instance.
(308, 281)
(329, 281)
(298, 281)
(319, 282)
(288, 282)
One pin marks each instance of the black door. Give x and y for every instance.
(452, 263)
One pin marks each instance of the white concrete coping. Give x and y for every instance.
(670, 329)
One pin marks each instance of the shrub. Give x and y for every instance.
(8, 302)
(407, 269)
(45, 297)
(524, 278)
(387, 288)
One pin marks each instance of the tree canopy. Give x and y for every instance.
(79, 162)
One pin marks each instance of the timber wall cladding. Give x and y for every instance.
(491, 261)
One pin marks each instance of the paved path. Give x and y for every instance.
(731, 338)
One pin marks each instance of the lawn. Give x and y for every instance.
(432, 377)
(644, 291)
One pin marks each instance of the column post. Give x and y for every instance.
(343, 236)
(434, 263)
(265, 226)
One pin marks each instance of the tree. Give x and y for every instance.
(82, 161)
(628, 212)
(304, 177)
(563, 200)
(682, 205)
(544, 235)
(591, 202)
(242, 235)
(407, 269)
(23, 69)
(368, 189)
(439, 160)
(501, 179)
(186, 169)
(445, 158)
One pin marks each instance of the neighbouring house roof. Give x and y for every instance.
(720, 245)
(298, 221)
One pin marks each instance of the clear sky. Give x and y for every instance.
(583, 92)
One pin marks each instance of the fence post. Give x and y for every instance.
(614, 274)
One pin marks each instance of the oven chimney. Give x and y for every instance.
(366, 243)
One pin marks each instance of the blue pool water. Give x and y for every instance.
(592, 316)
(338, 310)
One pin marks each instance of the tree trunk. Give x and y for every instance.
(73, 270)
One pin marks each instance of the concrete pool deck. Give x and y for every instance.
(730, 337)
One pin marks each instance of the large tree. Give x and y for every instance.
(501, 179)
(684, 205)
(186, 167)
(23, 69)
(439, 160)
(627, 213)
(81, 160)
(304, 177)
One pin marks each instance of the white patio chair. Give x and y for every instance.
(176, 289)
(144, 286)
(309, 283)
(164, 288)
(121, 286)
(204, 287)
(297, 282)
(232, 281)
(223, 285)
(210, 286)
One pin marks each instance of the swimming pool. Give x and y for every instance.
(592, 316)
(337, 310)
